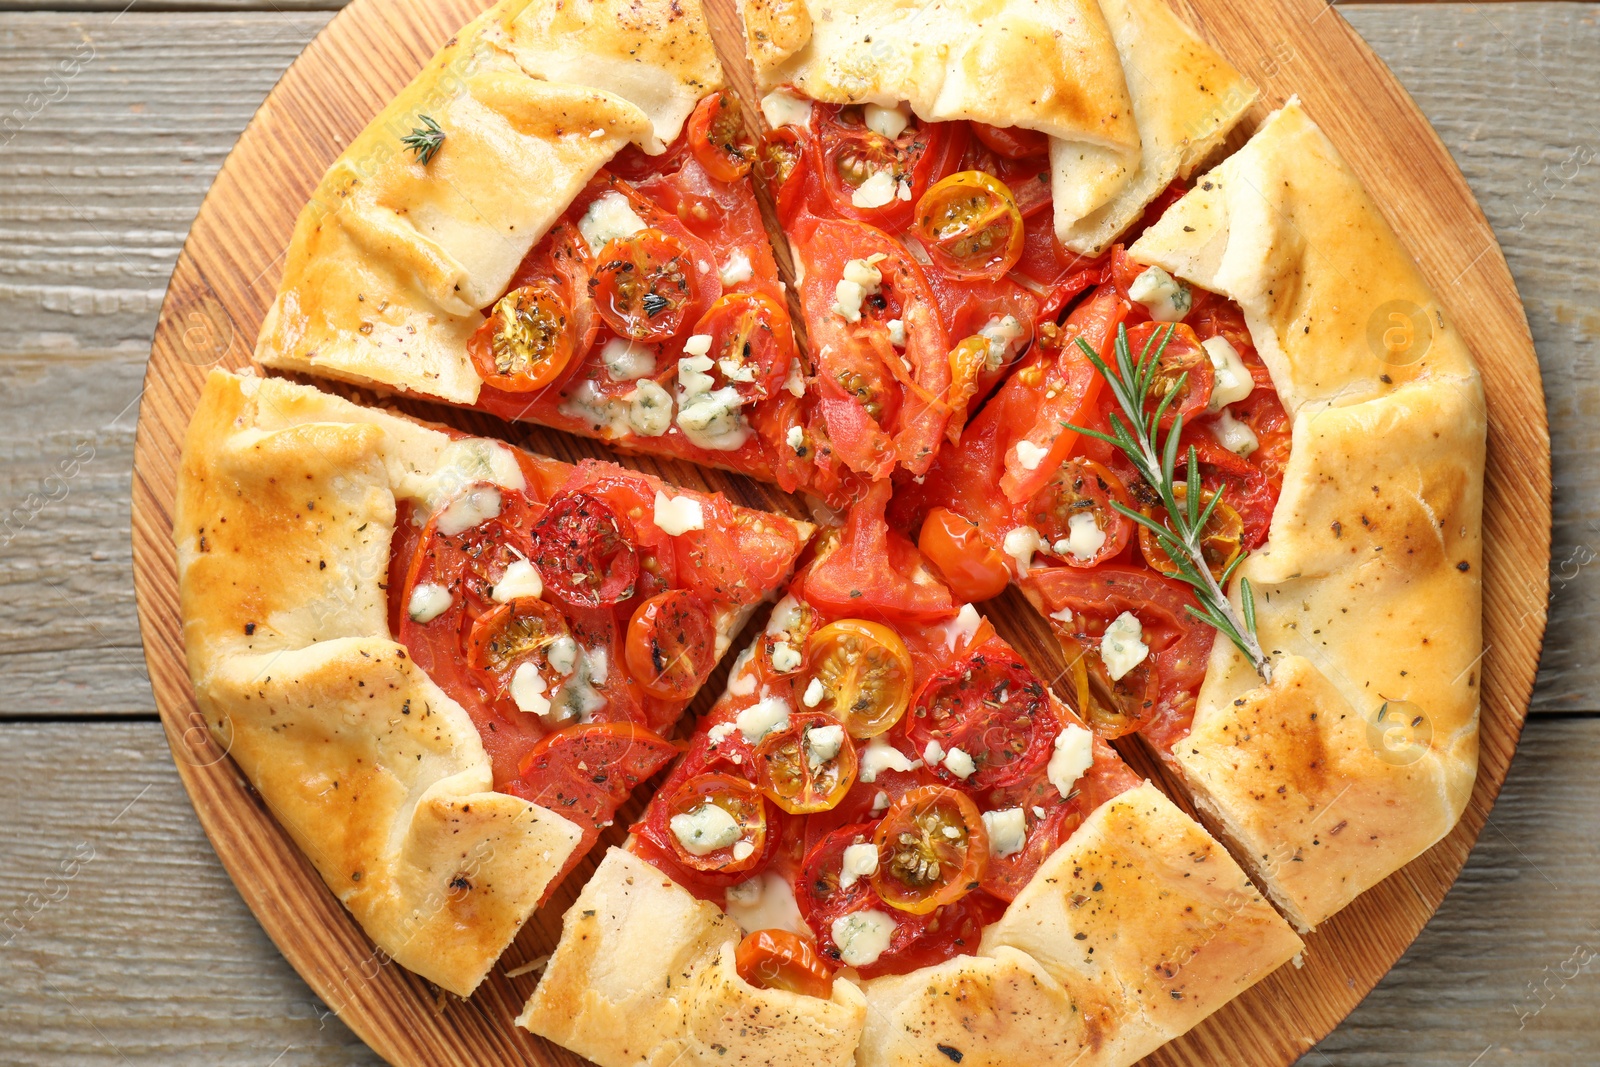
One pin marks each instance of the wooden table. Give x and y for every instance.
(123, 940)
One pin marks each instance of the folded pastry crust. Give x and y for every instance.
(1130, 97)
(285, 512)
(1186, 99)
(394, 256)
(1361, 752)
(1132, 932)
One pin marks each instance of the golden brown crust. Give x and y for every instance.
(1186, 98)
(1049, 66)
(285, 512)
(644, 974)
(393, 257)
(1368, 589)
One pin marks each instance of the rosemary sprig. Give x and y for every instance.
(1137, 435)
(424, 141)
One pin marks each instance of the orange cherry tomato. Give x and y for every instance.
(510, 633)
(1184, 370)
(970, 225)
(527, 341)
(862, 672)
(643, 284)
(932, 849)
(1221, 538)
(973, 569)
(1074, 515)
(671, 645)
(808, 765)
(781, 959)
(1012, 142)
(717, 138)
(731, 838)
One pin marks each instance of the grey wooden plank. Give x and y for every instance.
(114, 908)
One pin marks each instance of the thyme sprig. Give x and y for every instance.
(1137, 435)
(424, 141)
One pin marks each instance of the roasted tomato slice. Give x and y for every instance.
(973, 569)
(717, 138)
(808, 765)
(1221, 535)
(1074, 515)
(1184, 377)
(752, 343)
(671, 645)
(870, 177)
(510, 633)
(589, 769)
(781, 959)
(858, 672)
(717, 822)
(584, 550)
(527, 341)
(1012, 142)
(970, 225)
(643, 284)
(932, 850)
(990, 708)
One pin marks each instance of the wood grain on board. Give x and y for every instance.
(158, 81)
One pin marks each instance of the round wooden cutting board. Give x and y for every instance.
(226, 278)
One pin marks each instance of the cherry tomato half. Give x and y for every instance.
(1221, 538)
(992, 707)
(970, 225)
(717, 139)
(527, 341)
(849, 154)
(671, 645)
(1184, 371)
(1012, 142)
(1074, 516)
(729, 839)
(862, 675)
(972, 568)
(790, 626)
(1112, 707)
(781, 959)
(512, 632)
(584, 551)
(808, 765)
(932, 850)
(642, 285)
(752, 343)
(779, 162)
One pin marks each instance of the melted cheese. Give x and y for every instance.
(676, 516)
(520, 579)
(1073, 754)
(428, 602)
(609, 217)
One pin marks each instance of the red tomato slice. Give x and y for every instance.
(991, 707)
(1013, 142)
(875, 572)
(1164, 686)
(643, 285)
(717, 138)
(584, 772)
(752, 344)
(847, 155)
(585, 551)
(1081, 492)
(883, 405)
